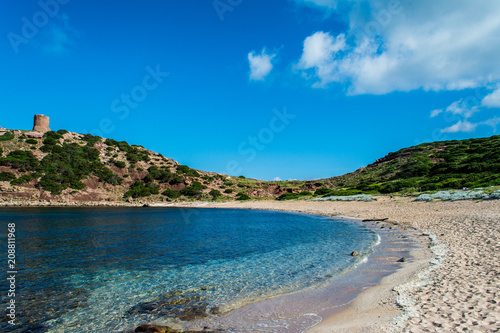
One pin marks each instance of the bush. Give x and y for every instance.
(23, 160)
(51, 138)
(191, 191)
(91, 139)
(1, 152)
(241, 177)
(242, 196)
(25, 178)
(7, 176)
(229, 191)
(292, 196)
(62, 131)
(184, 169)
(323, 191)
(215, 194)
(32, 141)
(139, 190)
(172, 194)
(7, 136)
(119, 164)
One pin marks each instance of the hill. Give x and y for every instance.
(67, 166)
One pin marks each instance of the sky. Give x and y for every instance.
(281, 89)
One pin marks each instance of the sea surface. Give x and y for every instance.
(111, 269)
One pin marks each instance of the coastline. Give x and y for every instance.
(452, 282)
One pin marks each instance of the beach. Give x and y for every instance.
(451, 284)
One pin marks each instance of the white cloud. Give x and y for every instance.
(461, 126)
(277, 179)
(445, 45)
(493, 122)
(260, 64)
(319, 56)
(435, 113)
(492, 100)
(462, 109)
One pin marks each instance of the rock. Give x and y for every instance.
(152, 329)
(33, 135)
(354, 253)
(16, 132)
(215, 310)
(402, 259)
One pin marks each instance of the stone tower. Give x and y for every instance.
(41, 123)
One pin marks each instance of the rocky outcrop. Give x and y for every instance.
(33, 135)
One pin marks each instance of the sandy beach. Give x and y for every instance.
(451, 285)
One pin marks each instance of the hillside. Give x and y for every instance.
(432, 166)
(64, 166)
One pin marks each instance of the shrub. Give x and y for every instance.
(184, 169)
(215, 193)
(139, 189)
(7, 136)
(32, 141)
(228, 183)
(241, 177)
(25, 178)
(292, 196)
(119, 164)
(51, 138)
(242, 196)
(91, 139)
(172, 194)
(323, 191)
(191, 191)
(62, 131)
(229, 191)
(23, 160)
(1, 151)
(7, 176)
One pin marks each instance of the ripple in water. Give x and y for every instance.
(110, 269)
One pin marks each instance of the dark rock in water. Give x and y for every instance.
(145, 205)
(354, 253)
(402, 259)
(215, 310)
(173, 305)
(152, 329)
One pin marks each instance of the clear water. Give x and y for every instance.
(111, 269)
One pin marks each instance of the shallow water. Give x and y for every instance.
(110, 269)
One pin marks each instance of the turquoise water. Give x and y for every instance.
(111, 269)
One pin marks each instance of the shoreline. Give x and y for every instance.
(456, 290)
(454, 286)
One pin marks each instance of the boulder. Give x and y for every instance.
(354, 253)
(33, 135)
(402, 259)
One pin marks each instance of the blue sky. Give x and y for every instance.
(295, 89)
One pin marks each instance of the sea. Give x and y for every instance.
(112, 269)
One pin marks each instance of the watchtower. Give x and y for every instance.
(41, 123)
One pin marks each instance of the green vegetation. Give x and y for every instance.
(7, 176)
(242, 196)
(133, 153)
(184, 169)
(24, 160)
(25, 178)
(430, 166)
(228, 190)
(7, 136)
(32, 141)
(172, 194)
(215, 194)
(139, 189)
(292, 196)
(119, 164)
(91, 139)
(194, 190)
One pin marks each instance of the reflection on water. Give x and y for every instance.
(107, 269)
